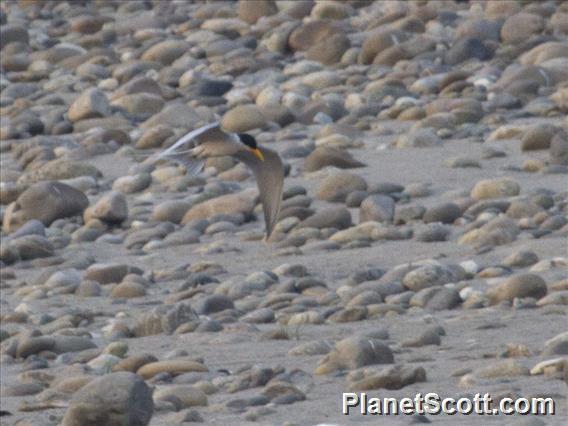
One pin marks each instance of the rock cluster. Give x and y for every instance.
(421, 242)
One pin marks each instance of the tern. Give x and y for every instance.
(212, 141)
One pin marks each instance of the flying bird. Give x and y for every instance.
(211, 141)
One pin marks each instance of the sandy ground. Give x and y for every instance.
(473, 337)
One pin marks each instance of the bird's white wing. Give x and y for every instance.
(181, 145)
(181, 151)
(269, 175)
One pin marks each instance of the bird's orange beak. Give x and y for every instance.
(257, 154)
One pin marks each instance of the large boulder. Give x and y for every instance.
(116, 399)
(46, 202)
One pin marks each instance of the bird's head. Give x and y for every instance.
(251, 144)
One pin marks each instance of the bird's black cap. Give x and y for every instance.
(248, 140)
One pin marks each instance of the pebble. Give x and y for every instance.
(318, 347)
(212, 304)
(173, 367)
(431, 275)
(128, 290)
(436, 299)
(495, 188)
(359, 232)
(519, 209)
(259, 316)
(243, 118)
(393, 377)
(103, 363)
(548, 367)
(132, 184)
(430, 336)
(332, 217)
(134, 362)
(521, 259)
(109, 273)
(498, 231)
(170, 211)
(283, 393)
(507, 368)
(432, 232)
(324, 156)
(355, 352)
(538, 137)
(31, 247)
(164, 319)
(558, 151)
(165, 51)
(444, 213)
(518, 286)
(530, 23)
(225, 204)
(419, 138)
(184, 396)
(377, 208)
(93, 103)
(111, 208)
(558, 345)
(22, 389)
(308, 317)
(338, 186)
